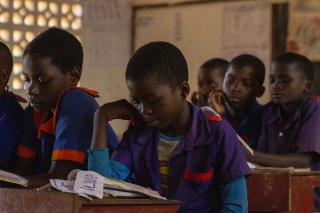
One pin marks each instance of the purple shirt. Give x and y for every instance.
(209, 156)
(301, 134)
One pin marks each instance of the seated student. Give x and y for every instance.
(243, 83)
(210, 80)
(290, 133)
(172, 146)
(11, 112)
(60, 114)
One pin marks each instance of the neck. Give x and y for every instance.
(237, 115)
(181, 124)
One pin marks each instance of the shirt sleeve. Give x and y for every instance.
(98, 161)
(234, 196)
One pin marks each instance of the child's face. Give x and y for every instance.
(240, 86)
(209, 80)
(287, 83)
(160, 107)
(44, 82)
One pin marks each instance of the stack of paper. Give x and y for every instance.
(88, 184)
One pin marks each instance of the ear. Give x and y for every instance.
(308, 86)
(75, 75)
(260, 91)
(4, 76)
(184, 89)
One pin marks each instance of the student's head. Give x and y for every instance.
(243, 82)
(51, 62)
(210, 78)
(6, 64)
(157, 78)
(291, 78)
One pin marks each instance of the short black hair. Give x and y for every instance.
(6, 57)
(62, 47)
(160, 60)
(304, 65)
(214, 63)
(252, 61)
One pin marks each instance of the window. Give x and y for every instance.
(22, 20)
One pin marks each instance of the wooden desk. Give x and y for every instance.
(282, 191)
(27, 200)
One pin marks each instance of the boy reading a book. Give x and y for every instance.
(290, 132)
(60, 114)
(172, 146)
(11, 113)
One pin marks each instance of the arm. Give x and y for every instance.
(58, 170)
(121, 109)
(234, 196)
(296, 160)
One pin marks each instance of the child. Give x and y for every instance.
(243, 83)
(173, 146)
(290, 135)
(11, 113)
(210, 80)
(60, 114)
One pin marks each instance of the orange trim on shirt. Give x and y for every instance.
(67, 154)
(318, 98)
(18, 97)
(212, 117)
(26, 152)
(50, 125)
(198, 177)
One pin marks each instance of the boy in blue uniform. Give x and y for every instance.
(11, 113)
(60, 114)
(210, 81)
(290, 133)
(243, 83)
(172, 145)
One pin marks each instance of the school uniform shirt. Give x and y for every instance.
(65, 133)
(208, 157)
(298, 135)
(249, 128)
(12, 120)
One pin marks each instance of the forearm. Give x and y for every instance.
(99, 136)
(296, 160)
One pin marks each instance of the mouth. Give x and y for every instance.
(151, 123)
(35, 104)
(234, 99)
(276, 95)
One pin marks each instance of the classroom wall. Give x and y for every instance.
(196, 27)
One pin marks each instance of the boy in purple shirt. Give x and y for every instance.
(172, 145)
(290, 133)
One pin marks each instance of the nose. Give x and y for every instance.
(145, 109)
(32, 89)
(206, 88)
(276, 84)
(236, 87)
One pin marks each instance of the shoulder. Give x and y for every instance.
(9, 103)
(77, 97)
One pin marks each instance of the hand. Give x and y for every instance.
(217, 101)
(194, 97)
(121, 109)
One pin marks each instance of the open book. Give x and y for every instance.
(12, 178)
(257, 167)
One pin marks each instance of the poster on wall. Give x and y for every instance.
(110, 23)
(304, 29)
(246, 29)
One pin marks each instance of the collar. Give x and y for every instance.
(49, 120)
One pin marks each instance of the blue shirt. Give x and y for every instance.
(249, 128)
(65, 134)
(208, 157)
(12, 120)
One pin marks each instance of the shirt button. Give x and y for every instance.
(280, 134)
